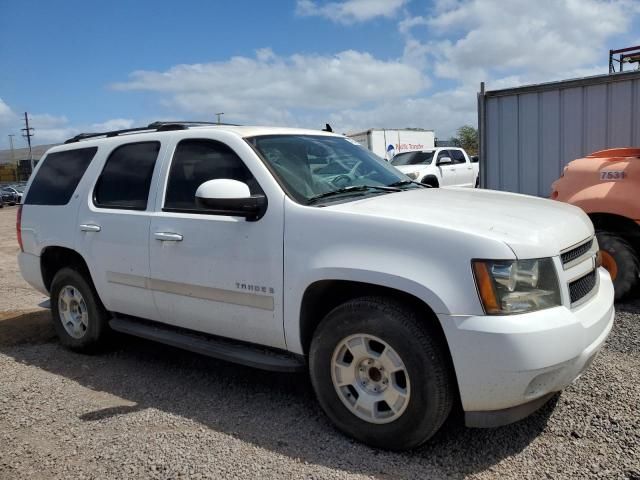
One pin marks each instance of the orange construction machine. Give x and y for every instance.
(606, 185)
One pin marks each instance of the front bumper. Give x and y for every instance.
(506, 365)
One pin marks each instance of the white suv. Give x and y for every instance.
(222, 240)
(439, 167)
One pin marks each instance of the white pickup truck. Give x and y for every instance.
(439, 167)
(399, 300)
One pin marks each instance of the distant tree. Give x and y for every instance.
(467, 137)
(455, 142)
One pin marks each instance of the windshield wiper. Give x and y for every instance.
(402, 183)
(353, 188)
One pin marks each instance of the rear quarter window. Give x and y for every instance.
(58, 176)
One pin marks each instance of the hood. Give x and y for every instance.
(532, 227)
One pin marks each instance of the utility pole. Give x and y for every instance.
(13, 157)
(219, 115)
(27, 134)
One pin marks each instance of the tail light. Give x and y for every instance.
(19, 227)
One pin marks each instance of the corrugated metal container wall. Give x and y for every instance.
(529, 134)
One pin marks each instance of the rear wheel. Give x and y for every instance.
(379, 373)
(621, 261)
(80, 320)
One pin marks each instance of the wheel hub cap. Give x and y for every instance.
(370, 378)
(73, 312)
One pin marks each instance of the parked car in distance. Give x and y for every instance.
(438, 167)
(225, 240)
(8, 196)
(17, 191)
(606, 185)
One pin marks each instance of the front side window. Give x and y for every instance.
(126, 177)
(197, 161)
(59, 176)
(347, 168)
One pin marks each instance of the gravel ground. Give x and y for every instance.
(148, 411)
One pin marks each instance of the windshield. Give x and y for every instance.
(413, 158)
(310, 166)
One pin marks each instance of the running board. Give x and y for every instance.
(223, 349)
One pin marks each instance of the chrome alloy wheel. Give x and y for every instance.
(73, 311)
(370, 378)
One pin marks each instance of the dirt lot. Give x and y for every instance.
(148, 411)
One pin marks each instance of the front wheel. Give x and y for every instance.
(381, 375)
(621, 261)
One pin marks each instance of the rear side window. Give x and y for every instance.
(412, 158)
(59, 176)
(457, 156)
(126, 177)
(197, 161)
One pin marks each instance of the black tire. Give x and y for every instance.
(626, 260)
(477, 182)
(97, 331)
(425, 358)
(431, 181)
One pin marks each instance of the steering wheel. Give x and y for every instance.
(341, 180)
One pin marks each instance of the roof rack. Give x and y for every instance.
(152, 127)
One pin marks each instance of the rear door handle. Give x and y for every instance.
(168, 237)
(89, 227)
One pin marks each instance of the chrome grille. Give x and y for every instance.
(581, 287)
(575, 253)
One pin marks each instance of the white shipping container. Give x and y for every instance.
(388, 142)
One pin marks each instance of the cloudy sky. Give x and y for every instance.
(89, 66)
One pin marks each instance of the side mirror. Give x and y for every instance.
(232, 198)
(444, 161)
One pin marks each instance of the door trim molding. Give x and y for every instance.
(262, 302)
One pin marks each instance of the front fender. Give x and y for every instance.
(431, 263)
(295, 295)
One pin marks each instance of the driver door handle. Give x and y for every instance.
(168, 237)
(90, 227)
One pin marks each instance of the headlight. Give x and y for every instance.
(413, 175)
(516, 286)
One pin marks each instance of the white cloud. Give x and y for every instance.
(7, 116)
(49, 128)
(542, 40)
(113, 124)
(442, 112)
(269, 87)
(349, 11)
